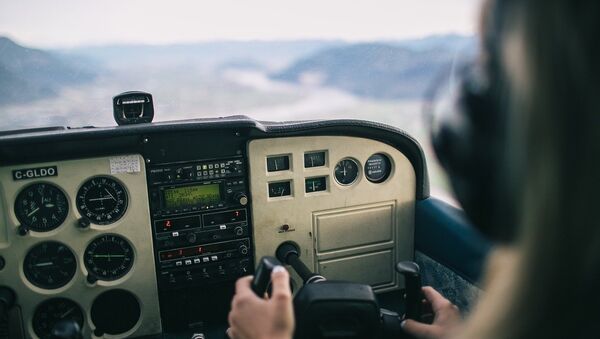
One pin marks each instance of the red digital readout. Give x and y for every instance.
(181, 253)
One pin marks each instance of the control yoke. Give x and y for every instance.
(334, 309)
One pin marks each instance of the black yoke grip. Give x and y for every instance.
(262, 278)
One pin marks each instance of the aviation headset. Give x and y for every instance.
(469, 136)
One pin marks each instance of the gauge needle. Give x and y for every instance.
(100, 199)
(69, 311)
(108, 256)
(44, 264)
(113, 198)
(33, 212)
(313, 185)
(282, 191)
(344, 171)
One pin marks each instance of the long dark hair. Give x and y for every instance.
(549, 284)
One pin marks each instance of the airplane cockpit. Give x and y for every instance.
(153, 155)
(141, 230)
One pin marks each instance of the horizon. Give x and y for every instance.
(233, 41)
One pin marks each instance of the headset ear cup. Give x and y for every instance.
(463, 142)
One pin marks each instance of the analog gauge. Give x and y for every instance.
(108, 257)
(51, 311)
(279, 189)
(346, 171)
(378, 168)
(314, 159)
(312, 185)
(49, 265)
(278, 163)
(41, 207)
(102, 200)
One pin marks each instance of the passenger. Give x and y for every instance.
(544, 283)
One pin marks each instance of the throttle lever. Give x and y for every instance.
(262, 278)
(412, 278)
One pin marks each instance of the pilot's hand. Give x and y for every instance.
(254, 318)
(447, 318)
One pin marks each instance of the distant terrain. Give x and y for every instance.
(28, 74)
(388, 70)
(374, 70)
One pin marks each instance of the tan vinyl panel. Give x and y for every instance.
(133, 226)
(354, 227)
(343, 222)
(364, 268)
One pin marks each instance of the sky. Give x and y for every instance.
(70, 23)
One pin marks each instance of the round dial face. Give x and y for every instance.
(378, 168)
(346, 171)
(108, 257)
(49, 265)
(51, 311)
(41, 207)
(102, 200)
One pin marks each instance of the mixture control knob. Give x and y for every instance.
(239, 231)
(241, 198)
(243, 249)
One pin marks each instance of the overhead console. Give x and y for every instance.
(347, 202)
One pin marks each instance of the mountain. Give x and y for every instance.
(394, 70)
(28, 74)
(204, 55)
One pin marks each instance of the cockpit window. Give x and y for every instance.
(62, 62)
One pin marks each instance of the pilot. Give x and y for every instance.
(541, 60)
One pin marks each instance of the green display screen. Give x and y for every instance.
(182, 197)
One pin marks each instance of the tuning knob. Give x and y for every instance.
(243, 249)
(241, 198)
(239, 231)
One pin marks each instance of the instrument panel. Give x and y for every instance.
(347, 202)
(142, 243)
(73, 237)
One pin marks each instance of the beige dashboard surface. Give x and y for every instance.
(134, 226)
(355, 232)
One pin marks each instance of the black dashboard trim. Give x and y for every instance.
(61, 144)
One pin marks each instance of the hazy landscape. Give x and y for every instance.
(382, 81)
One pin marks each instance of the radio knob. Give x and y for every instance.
(243, 249)
(239, 231)
(191, 237)
(241, 198)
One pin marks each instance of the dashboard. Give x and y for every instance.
(141, 231)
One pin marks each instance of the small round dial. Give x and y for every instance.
(108, 257)
(51, 311)
(346, 171)
(41, 207)
(102, 200)
(49, 265)
(378, 168)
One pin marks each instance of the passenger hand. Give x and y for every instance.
(254, 318)
(447, 317)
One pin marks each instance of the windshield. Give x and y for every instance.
(62, 62)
